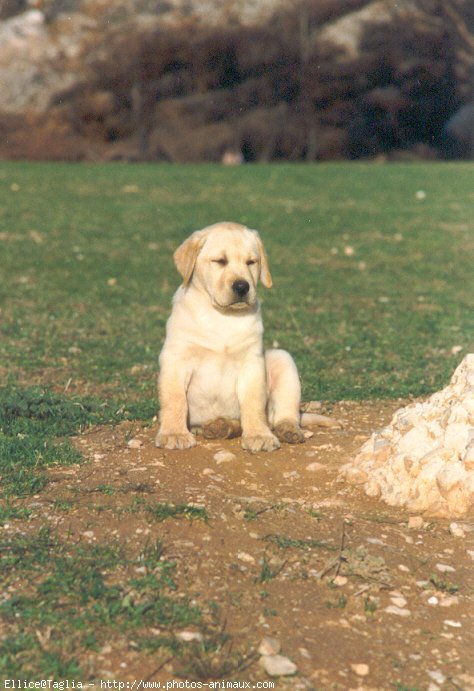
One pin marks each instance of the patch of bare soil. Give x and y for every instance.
(357, 596)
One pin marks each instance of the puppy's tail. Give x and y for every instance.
(317, 420)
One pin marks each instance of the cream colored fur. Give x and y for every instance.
(214, 374)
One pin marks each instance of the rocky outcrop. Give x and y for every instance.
(424, 460)
(190, 80)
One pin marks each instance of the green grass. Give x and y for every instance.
(69, 598)
(160, 511)
(87, 276)
(34, 426)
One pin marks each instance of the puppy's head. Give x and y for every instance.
(226, 260)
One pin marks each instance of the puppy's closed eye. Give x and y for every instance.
(222, 261)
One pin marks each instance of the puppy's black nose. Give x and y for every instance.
(241, 288)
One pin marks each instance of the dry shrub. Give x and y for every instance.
(271, 92)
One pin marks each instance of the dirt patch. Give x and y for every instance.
(357, 597)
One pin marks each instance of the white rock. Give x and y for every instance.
(135, 444)
(244, 556)
(445, 568)
(399, 611)
(424, 459)
(398, 601)
(224, 456)
(340, 580)
(453, 624)
(277, 665)
(456, 530)
(361, 669)
(188, 636)
(433, 600)
(269, 646)
(437, 676)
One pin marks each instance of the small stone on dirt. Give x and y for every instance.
(436, 676)
(456, 530)
(188, 636)
(135, 444)
(277, 665)
(340, 580)
(445, 568)
(361, 669)
(224, 456)
(244, 556)
(269, 646)
(399, 611)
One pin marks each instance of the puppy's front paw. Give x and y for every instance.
(175, 441)
(260, 442)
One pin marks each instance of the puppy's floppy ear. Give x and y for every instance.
(265, 275)
(187, 253)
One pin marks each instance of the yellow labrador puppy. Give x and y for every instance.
(214, 374)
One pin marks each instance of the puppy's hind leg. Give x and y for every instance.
(284, 395)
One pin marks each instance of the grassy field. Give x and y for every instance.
(372, 282)
(372, 269)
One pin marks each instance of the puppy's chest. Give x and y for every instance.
(213, 387)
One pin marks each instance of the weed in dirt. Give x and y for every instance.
(340, 603)
(316, 514)
(370, 605)
(71, 597)
(212, 656)
(63, 505)
(105, 489)
(251, 514)
(9, 512)
(443, 586)
(284, 542)
(161, 511)
(269, 571)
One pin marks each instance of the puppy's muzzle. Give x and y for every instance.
(241, 288)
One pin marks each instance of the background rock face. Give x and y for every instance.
(424, 460)
(186, 80)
